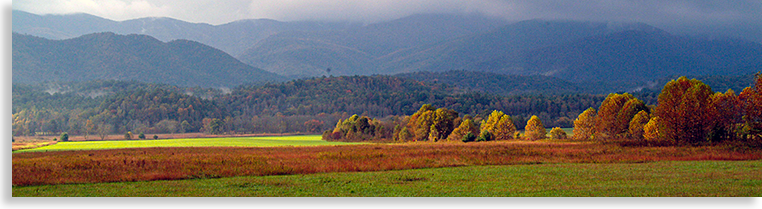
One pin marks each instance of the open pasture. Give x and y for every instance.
(265, 141)
(148, 164)
(670, 178)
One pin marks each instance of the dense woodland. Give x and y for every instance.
(383, 106)
(306, 105)
(688, 113)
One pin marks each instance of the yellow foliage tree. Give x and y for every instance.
(584, 125)
(534, 129)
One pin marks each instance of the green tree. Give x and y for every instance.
(141, 136)
(469, 137)
(64, 137)
(534, 129)
(485, 136)
(185, 126)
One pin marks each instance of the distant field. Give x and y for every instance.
(267, 141)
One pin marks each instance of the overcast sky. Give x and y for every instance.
(683, 15)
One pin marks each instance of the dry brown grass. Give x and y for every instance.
(147, 164)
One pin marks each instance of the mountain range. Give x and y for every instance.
(108, 56)
(617, 55)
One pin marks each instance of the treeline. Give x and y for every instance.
(688, 113)
(306, 105)
(436, 125)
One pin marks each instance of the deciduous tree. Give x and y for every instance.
(504, 128)
(465, 127)
(637, 123)
(534, 129)
(751, 99)
(606, 122)
(584, 125)
(684, 110)
(557, 133)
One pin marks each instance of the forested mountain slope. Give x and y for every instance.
(129, 57)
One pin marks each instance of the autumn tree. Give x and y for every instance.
(89, 128)
(637, 123)
(534, 129)
(314, 125)
(444, 122)
(421, 122)
(654, 130)
(615, 114)
(751, 100)
(465, 127)
(584, 125)
(557, 133)
(499, 125)
(684, 110)
(504, 129)
(726, 113)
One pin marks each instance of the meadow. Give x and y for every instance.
(265, 141)
(308, 166)
(667, 178)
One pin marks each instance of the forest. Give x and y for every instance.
(688, 113)
(378, 107)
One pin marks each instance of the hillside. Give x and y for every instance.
(355, 50)
(583, 52)
(627, 55)
(106, 56)
(233, 38)
(498, 83)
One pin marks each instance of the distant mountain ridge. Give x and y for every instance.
(233, 38)
(623, 54)
(614, 56)
(106, 56)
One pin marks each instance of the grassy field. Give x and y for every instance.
(667, 178)
(268, 141)
(298, 166)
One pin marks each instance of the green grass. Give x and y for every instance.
(692, 178)
(269, 141)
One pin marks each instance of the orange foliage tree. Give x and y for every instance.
(751, 98)
(684, 110)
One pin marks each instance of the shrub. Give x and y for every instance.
(64, 137)
(469, 137)
(485, 136)
(128, 135)
(557, 133)
(155, 137)
(141, 136)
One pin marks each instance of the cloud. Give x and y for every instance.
(112, 9)
(658, 12)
